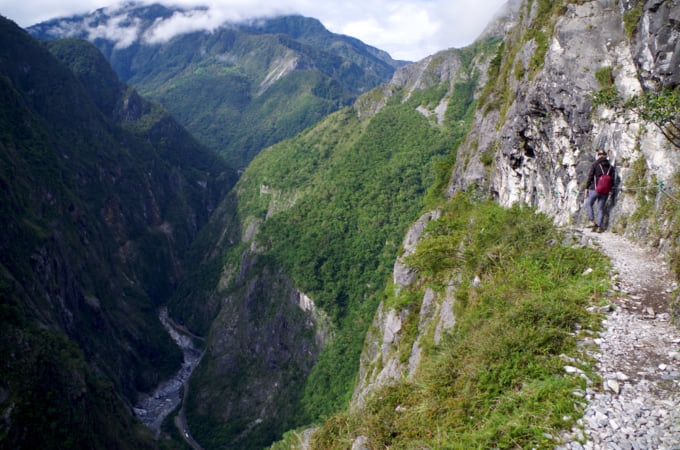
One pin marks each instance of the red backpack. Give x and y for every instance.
(603, 184)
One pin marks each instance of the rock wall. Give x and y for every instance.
(262, 346)
(380, 360)
(533, 143)
(545, 139)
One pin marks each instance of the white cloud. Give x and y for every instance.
(113, 30)
(185, 22)
(407, 29)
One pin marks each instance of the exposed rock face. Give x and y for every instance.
(381, 361)
(657, 44)
(538, 148)
(402, 274)
(547, 137)
(270, 319)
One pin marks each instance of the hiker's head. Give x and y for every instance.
(601, 154)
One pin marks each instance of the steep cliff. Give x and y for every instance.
(102, 194)
(319, 219)
(536, 133)
(532, 141)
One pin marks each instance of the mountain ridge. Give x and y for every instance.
(302, 278)
(97, 212)
(238, 87)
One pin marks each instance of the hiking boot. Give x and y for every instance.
(598, 229)
(591, 224)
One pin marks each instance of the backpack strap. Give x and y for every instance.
(602, 170)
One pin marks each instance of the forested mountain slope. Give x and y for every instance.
(240, 87)
(102, 194)
(475, 348)
(392, 276)
(296, 275)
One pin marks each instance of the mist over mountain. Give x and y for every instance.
(237, 87)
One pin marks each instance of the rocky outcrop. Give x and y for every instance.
(404, 275)
(442, 70)
(534, 138)
(544, 141)
(383, 360)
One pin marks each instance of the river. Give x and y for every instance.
(153, 408)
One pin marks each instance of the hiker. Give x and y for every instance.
(599, 184)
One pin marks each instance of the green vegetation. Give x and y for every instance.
(638, 183)
(661, 109)
(605, 77)
(541, 30)
(331, 207)
(342, 195)
(339, 244)
(240, 89)
(53, 398)
(497, 381)
(102, 193)
(631, 18)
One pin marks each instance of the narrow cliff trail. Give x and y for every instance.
(637, 403)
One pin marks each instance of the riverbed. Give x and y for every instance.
(152, 409)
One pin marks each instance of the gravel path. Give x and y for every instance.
(637, 405)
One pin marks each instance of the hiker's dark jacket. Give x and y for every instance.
(596, 172)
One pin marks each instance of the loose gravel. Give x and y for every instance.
(637, 403)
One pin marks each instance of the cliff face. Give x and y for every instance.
(535, 135)
(544, 136)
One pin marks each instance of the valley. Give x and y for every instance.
(331, 248)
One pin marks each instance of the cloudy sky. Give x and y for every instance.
(406, 29)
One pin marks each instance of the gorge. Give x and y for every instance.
(405, 270)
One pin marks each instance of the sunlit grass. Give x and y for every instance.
(498, 379)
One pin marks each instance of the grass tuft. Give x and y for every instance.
(497, 380)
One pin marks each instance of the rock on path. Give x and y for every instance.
(637, 405)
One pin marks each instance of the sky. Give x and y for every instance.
(407, 29)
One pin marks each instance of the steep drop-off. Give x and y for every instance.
(535, 133)
(296, 275)
(102, 194)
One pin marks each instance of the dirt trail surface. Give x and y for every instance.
(637, 403)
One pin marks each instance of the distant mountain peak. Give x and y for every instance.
(238, 83)
(133, 22)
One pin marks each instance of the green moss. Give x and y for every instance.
(487, 158)
(542, 43)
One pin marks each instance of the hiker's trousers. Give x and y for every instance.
(597, 200)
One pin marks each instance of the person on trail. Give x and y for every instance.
(599, 184)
